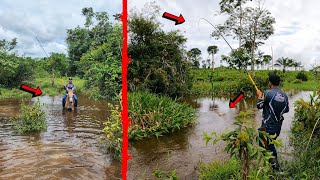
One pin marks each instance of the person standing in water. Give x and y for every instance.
(274, 103)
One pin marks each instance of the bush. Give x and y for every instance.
(113, 132)
(242, 143)
(302, 76)
(220, 171)
(153, 115)
(31, 118)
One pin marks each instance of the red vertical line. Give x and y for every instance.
(124, 113)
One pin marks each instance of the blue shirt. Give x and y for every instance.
(70, 86)
(274, 105)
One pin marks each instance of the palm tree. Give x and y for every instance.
(212, 50)
(297, 65)
(266, 60)
(284, 63)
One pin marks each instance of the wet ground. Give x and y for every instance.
(184, 149)
(69, 149)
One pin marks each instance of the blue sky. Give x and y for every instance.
(48, 20)
(296, 30)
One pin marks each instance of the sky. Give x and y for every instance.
(47, 20)
(296, 29)
(296, 32)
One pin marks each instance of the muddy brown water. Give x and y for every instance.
(183, 150)
(69, 149)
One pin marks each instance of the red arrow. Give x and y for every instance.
(178, 20)
(34, 92)
(232, 104)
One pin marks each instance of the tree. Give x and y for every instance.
(7, 46)
(250, 25)
(237, 59)
(266, 60)
(13, 69)
(158, 62)
(57, 64)
(212, 50)
(195, 56)
(80, 40)
(102, 67)
(284, 63)
(296, 65)
(208, 63)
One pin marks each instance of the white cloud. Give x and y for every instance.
(48, 20)
(295, 36)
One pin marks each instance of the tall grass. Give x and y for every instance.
(153, 115)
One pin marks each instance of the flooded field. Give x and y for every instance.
(69, 149)
(184, 149)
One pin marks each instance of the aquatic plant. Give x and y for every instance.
(31, 118)
(154, 115)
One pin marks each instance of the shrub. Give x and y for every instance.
(153, 115)
(242, 143)
(113, 132)
(170, 175)
(31, 118)
(302, 76)
(220, 171)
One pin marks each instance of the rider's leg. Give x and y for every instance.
(76, 100)
(64, 100)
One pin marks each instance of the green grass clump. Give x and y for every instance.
(6, 93)
(153, 115)
(31, 118)
(220, 170)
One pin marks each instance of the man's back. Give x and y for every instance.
(274, 105)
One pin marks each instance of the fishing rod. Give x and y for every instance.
(61, 81)
(245, 69)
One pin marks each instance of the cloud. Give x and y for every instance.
(296, 29)
(47, 20)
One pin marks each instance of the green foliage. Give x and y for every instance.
(158, 58)
(229, 81)
(159, 174)
(238, 58)
(82, 39)
(194, 55)
(306, 114)
(302, 76)
(153, 115)
(113, 132)
(220, 171)
(31, 118)
(242, 143)
(14, 70)
(57, 64)
(305, 163)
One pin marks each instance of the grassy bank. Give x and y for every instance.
(46, 88)
(226, 81)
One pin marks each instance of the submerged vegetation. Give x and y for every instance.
(31, 118)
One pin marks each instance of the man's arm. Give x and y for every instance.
(262, 99)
